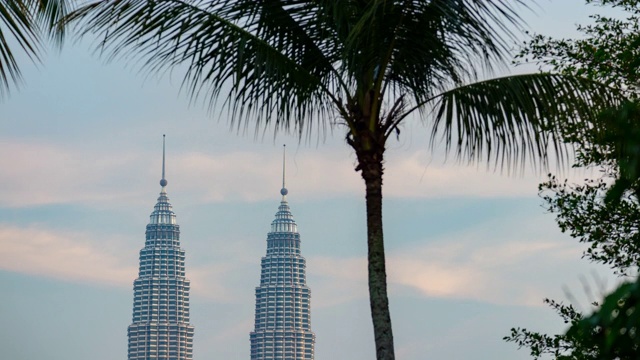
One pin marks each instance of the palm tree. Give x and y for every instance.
(299, 65)
(25, 24)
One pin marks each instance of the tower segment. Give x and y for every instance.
(160, 329)
(282, 315)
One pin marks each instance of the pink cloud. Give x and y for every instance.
(70, 256)
(61, 255)
(54, 174)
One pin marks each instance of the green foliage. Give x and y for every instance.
(612, 238)
(608, 50)
(611, 227)
(622, 137)
(603, 213)
(560, 347)
(613, 328)
(611, 231)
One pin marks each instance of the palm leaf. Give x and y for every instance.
(289, 63)
(15, 26)
(513, 119)
(273, 73)
(443, 43)
(291, 59)
(24, 23)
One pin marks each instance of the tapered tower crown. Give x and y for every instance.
(284, 223)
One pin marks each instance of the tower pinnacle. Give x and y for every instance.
(163, 181)
(284, 190)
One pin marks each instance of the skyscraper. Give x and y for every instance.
(282, 322)
(160, 328)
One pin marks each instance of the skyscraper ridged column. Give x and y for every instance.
(282, 316)
(160, 328)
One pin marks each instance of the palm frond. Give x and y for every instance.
(49, 15)
(16, 26)
(265, 52)
(443, 43)
(510, 120)
(288, 63)
(293, 60)
(24, 23)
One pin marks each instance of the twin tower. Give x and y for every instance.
(160, 329)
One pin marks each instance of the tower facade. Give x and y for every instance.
(282, 315)
(160, 329)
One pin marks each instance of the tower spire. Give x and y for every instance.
(284, 190)
(163, 181)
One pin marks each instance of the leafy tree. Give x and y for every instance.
(365, 65)
(613, 327)
(609, 50)
(25, 24)
(561, 346)
(603, 213)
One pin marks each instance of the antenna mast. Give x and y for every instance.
(284, 190)
(163, 181)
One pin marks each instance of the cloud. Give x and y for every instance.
(62, 255)
(249, 177)
(208, 282)
(71, 256)
(253, 176)
(481, 263)
(57, 174)
(467, 275)
(49, 174)
(501, 265)
(494, 273)
(509, 266)
(335, 281)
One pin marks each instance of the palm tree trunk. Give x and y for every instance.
(370, 163)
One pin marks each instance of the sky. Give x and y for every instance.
(471, 253)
